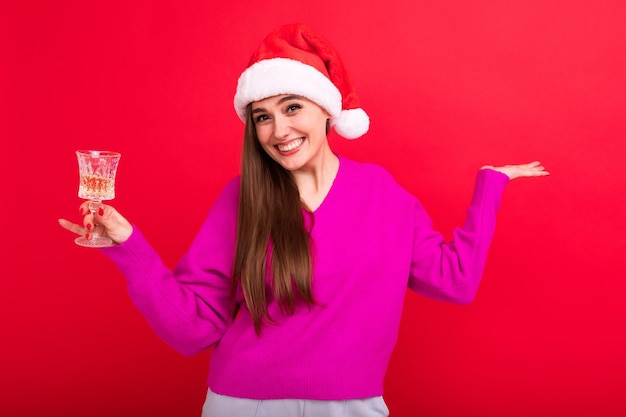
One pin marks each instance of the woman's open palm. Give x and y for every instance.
(532, 169)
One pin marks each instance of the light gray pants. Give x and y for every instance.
(217, 405)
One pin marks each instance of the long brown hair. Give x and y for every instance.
(270, 228)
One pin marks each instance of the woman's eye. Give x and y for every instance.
(261, 118)
(293, 107)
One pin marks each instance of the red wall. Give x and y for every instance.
(449, 86)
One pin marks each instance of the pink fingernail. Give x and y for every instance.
(82, 212)
(87, 236)
(88, 226)
(100, 211)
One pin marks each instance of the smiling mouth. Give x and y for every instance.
(290, 146)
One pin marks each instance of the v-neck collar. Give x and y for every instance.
(331, 191)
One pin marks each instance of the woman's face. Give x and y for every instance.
(292, 130)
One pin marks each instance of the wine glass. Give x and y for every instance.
(97, 183)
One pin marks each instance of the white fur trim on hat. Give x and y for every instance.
(271, 77)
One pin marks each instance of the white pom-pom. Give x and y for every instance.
(351, 124)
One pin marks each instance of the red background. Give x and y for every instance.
(449, 86)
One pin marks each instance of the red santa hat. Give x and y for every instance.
(294, 59)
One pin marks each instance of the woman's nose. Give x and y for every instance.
(282, 127)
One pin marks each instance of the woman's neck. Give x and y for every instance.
(315, 182)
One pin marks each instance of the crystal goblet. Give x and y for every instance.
(97, 171)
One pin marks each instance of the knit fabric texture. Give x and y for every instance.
(372, 240)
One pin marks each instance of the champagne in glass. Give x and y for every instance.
(97, 183)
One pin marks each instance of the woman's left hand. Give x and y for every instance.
(532, 169)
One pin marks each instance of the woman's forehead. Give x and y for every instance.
(277, 100)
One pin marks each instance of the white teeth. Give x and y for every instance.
(290, 146)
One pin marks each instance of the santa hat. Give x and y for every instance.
(294, 59)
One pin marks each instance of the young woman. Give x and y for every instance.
(297, 276)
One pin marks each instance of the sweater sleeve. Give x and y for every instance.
(189, 307)
(451, 271)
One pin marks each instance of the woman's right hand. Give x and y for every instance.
(106, 222)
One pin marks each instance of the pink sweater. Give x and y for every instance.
(372, 240)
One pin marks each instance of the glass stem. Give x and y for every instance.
(93, 207)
